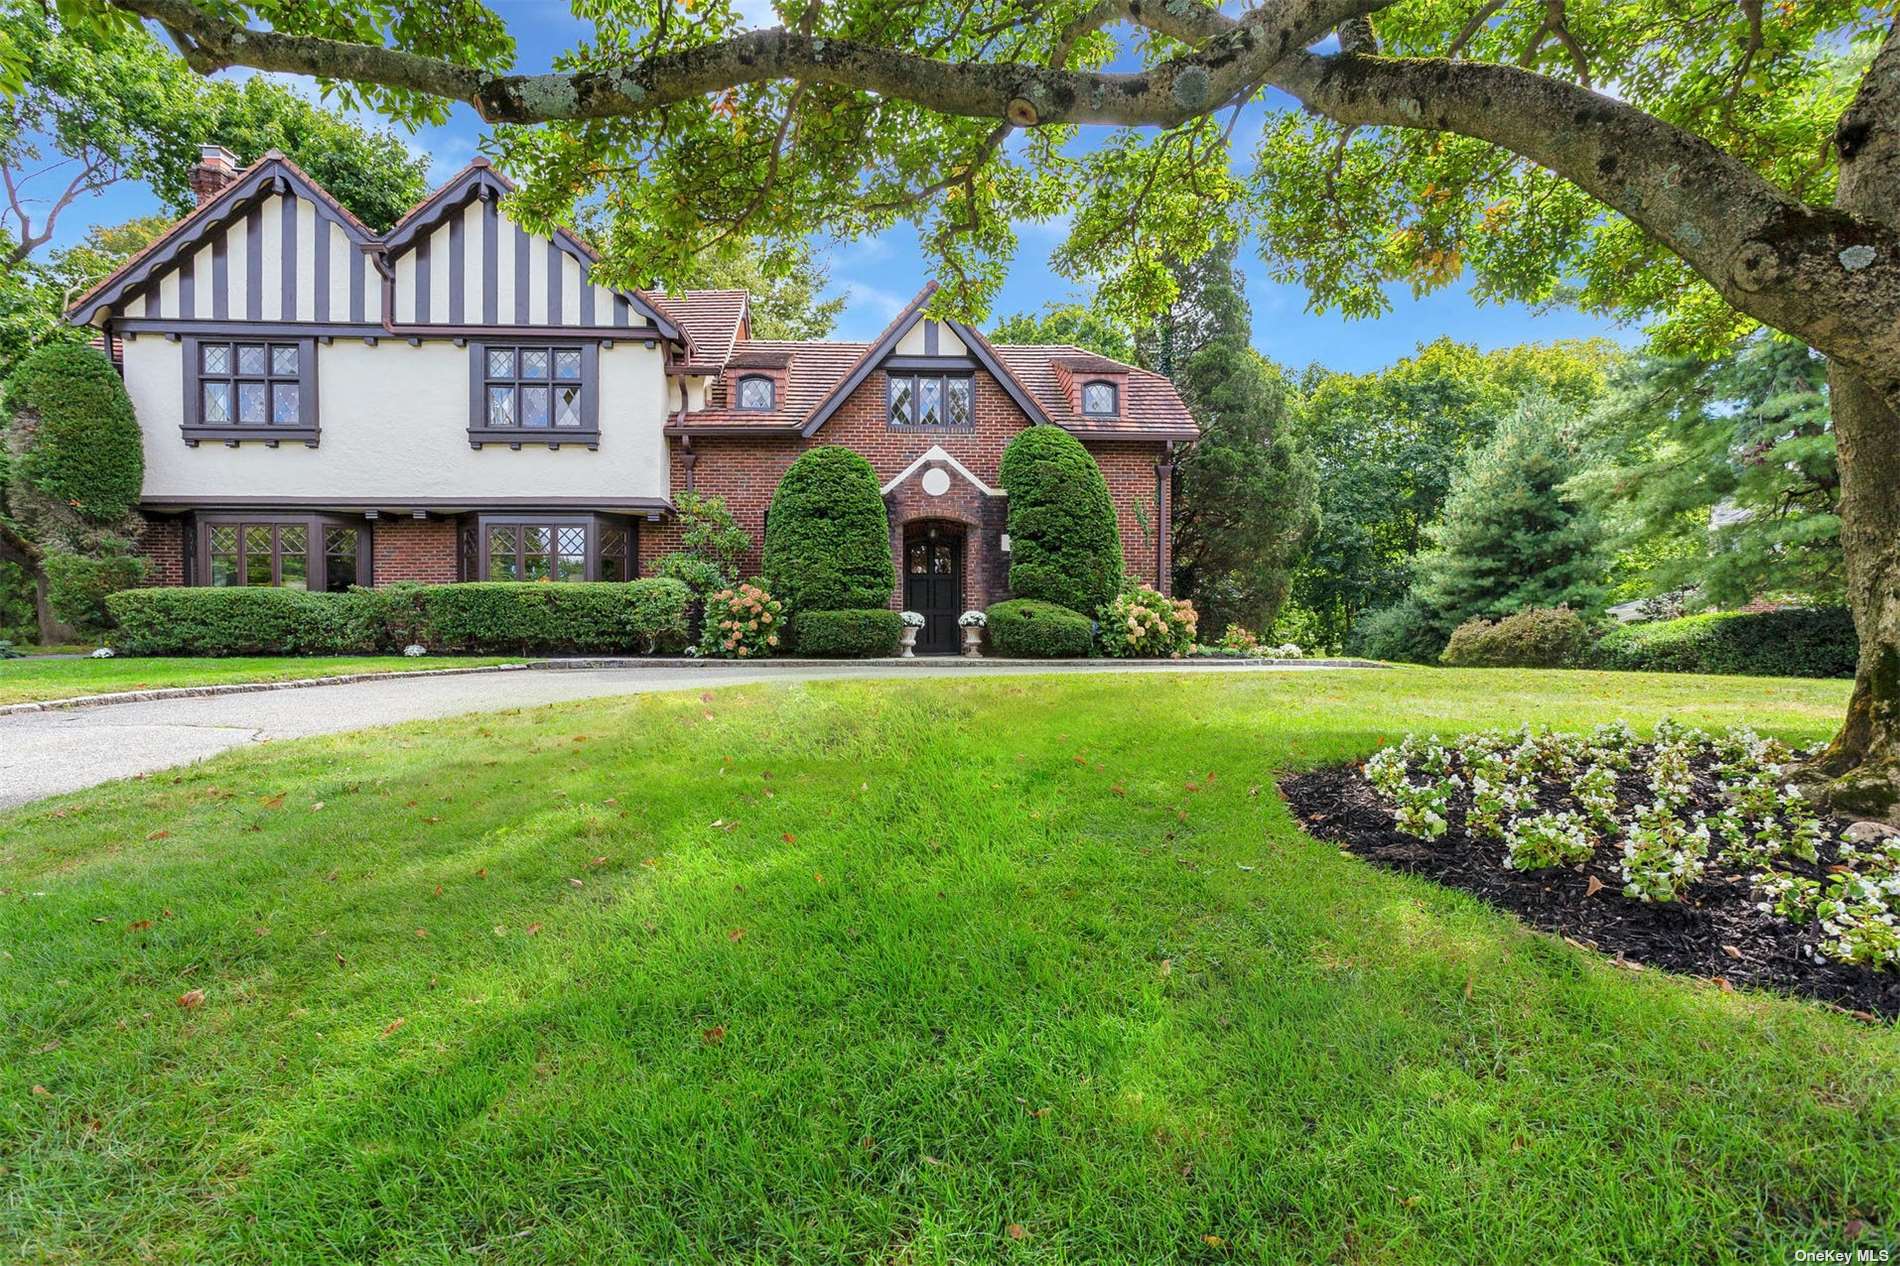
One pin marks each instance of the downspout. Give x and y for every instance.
(1164, 486)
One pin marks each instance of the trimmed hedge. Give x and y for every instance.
(1539, 637)
(242, 621)
(1791, 642)
(828, 536)
(494, 617)
(861, 634)
(1031, 629)
(77, 585)
(1064, 545)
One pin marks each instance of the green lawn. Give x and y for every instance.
(37, 680)
(930, 971)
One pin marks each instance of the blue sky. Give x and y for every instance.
(879, 275)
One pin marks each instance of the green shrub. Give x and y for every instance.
(77, 584)
(828, 538)
(1406, 631)
(76, 459)
(1540, 637)
(1026, 628)
(1791, 642)
(701, 575)
(638, 616)
(862, 634)
(1064, 545)
(744, 622)
(241, 621)
(1143, 622)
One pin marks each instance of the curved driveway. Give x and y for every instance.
(45, 753)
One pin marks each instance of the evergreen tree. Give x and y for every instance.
(1513, 536)
(1719, 476)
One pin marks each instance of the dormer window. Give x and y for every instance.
(757, 392)
(1100, 400)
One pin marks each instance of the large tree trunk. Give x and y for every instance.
(53, 630)
(1863, 762)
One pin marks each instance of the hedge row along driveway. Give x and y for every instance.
(996, 969)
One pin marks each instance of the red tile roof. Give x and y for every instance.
(813, 369)
(1151, 407)
(711, 319)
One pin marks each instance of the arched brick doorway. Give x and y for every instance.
(933, 572)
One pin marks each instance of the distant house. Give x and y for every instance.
(460, 399)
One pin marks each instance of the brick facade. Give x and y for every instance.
(422, 550)
(745, 472)
(162, 545)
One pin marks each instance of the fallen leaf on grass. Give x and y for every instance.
(159, 835)
(713, 1036)
(42, 1092)
(929, 1160)
(1015, 1231)
(393, 1025)
(1212, 1241)
(533, 929)
(818, 877)
(575, 883)
(736, 935)
(1723, 984)
(192, 1000)
(422, 934)
(789, 838)
(1167, 968)
(273, 802)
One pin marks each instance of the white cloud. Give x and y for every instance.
(885, 303)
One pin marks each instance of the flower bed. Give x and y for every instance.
(1688, 852)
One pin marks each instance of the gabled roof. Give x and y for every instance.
(271, 174)
(814, 368)
(712, 319)
(901, 325)
(480, 180)
(1151, 407)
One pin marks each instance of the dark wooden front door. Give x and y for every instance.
(933, 587)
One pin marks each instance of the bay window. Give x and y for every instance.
(518, 547)
(281, 552)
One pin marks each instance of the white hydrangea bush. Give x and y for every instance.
(1761, 833)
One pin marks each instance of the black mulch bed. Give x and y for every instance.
(1713, 931)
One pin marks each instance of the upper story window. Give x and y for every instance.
(1100, 400)
(238, 389)
(535, 390)
(940, 401)
(757, 392)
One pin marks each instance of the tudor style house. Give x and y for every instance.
(459, 399)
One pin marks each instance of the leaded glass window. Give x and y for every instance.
(533, 388)
(251, 384)
(554, 549)
(934, 401)
(757, 392)
(1099, 400)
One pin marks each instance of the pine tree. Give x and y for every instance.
(1512, 535)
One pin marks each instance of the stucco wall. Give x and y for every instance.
(394, 422)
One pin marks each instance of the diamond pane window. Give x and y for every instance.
(250, 397)
(293, 554)
(282, 552)
(957, 390)
(251, 385)
(756, 393)
(901, 399)
(339, 558)
(259, 553)
(571, 560)
(283, 404)
(1098, 399)
(501, 406)
(534, 406)
(930, 402)
(504, 562)
(534, 387)
(613, 553)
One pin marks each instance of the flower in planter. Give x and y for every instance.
(912, 618)
(415, 649)
(973, 619)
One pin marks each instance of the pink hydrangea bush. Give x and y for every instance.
(743, 622)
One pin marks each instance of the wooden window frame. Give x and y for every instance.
(1114, 395)
(196, 430)
(915, 377)
(316, 527)
(594, 524)
(479, 430)
(771, 388)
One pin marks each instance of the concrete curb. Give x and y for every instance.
(239, 688)
(671, 661)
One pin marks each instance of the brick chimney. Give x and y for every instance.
(216, 167)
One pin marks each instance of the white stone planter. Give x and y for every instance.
(909, 642)
(972, 641)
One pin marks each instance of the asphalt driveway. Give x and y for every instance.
(46, 753)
